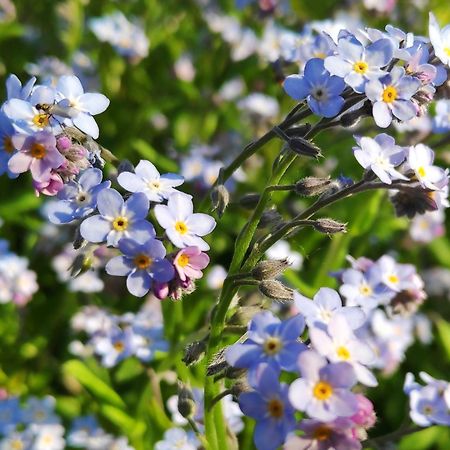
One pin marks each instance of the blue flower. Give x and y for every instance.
(114, 346)
(270, 341)
(142, 264)
(14, 88)
(7, 147)
(78, 198)
(148, 340)
(118, 219)
(391, 96)
(321, 90)
(177, 438)
(148, 180)
(357, 64)
(10, 414)
(269, 405)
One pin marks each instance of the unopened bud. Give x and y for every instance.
(249, 201)
(301, 130)
(243, 315)
(304, 147)
(276, 290)
(217, 364)
(78, 240)
(312, 186)
(329, 226)
(240, 387)
(413, 201)
(270, 218)
(232, 373)
(125, 166)
(270, 269)
(194, 352)
(186, 403)
(220, 198)
(81, 264)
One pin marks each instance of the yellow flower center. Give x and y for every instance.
(360, 67)
(7, 144)
(393, 278)
(120, 223)
(155, 185)
(37, 151)
(119, 346)
(389, 94)
(365, 290)
(181, 227)
(39, 416)
(183, 260)
(142, 261)
(40, 120)
(275, 408)
(343, 353)
(428, 410)
(421, 171)
(322, 390)
(447, 51)
(322, 433)
(272, 345)
(16, 445)
(320, 55)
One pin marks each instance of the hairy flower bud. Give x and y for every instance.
(244, 314)
(270, 218)
(220, 198)
(413, 201)
(311, 186)
(249, 201)
(194, 352)
(329, 226)
(276, 290)
(352, 118)
(301, 130)
(304, 147)
(186, 404)
(270, 269)
(218, 364)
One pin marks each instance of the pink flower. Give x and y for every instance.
(189, 263)
(36, 153)
(365, 417)
(49, 187)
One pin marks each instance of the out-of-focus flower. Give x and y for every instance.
(177, 438)
(440, 39)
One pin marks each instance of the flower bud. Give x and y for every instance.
(194, 352)
(413, 201)
(270, 218)
(270, 269)
(125, 166)
(304, 147)
(329, 226)
(220, 198)
(63, 143)
(240, 387)
(301, 130)
(243, 315)
(311, 186)
(217, 364)
(276, 290)
(186, 403)
(352, 118)
(82, 263)
(78, 240)
(249, 201)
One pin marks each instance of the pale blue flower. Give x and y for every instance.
(142, 264)
(118, 219)
(177, 438)
(183, 227)
(321, 90)
(357, 64)
(148, 180)
(78, 198)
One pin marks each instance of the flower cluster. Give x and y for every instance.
(17, 282)
(114, 338)
(369, 328)
(35, 425)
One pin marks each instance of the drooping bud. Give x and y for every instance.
(186, 403)
(311, 186)
(270, 269)
(352, 118)
(249, 201)
(276, 290)
(218, 364)
(329, 226)
(301, 130)
(125, 166)
(220, 198)
(194, 352)
(304, 147)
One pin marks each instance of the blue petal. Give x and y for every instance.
(296, 87)
(95, 229)
(139, 283)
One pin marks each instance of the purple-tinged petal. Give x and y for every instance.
(119, 266)
(139, 283)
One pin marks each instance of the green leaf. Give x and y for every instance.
(162, 162)
(426, 439)
(97, 387)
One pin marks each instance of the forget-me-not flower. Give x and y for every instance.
(380, 155)
(118, 219)
(148, 180)
(269, 405)
(182, 226)
(78, 198)
(357, 64)
(321, 90)
(391, 96)
(323, 391)
(142, 264)
(440, 39)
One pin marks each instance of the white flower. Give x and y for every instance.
(440, 39)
